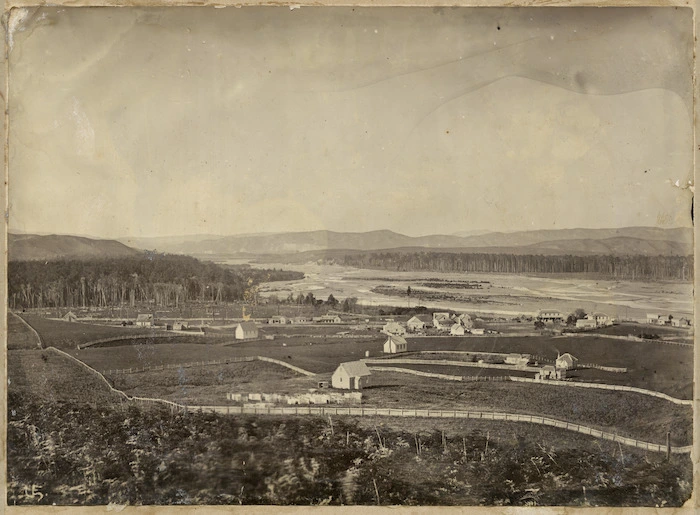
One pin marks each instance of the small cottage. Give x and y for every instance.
(519, 360)
(70, 317)
(586, 323)
(181, 325)
(395, 344)
(329, 319)
(419, 323)
(476, 331)
(246, 330)
(353, 375)
(550, 316)
(680, 322)
(457, 330)
(301, 320)
(550, 372)
(465, 321)
(279, 320)
(394, 328)
(442, 321)
(566, 361)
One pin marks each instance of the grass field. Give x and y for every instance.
(638, 329)
(210, 384)
(19, 336)
(608, 410)
(455, 370)
(48, 376)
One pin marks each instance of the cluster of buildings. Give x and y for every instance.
(563, 363)
(657, 319)
(456, 325)
(590, 321)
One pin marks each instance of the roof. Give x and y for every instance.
(441, 315)
(397, 339)
(248, 325)
(144, 316)
(566, 355)
(424, 318)
(355, 368)
(548, 368)
(600, 315)
(550, 311)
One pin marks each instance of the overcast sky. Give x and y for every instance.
(137, 122)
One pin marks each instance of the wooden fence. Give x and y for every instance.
(441, 362)
(226, 361)
(385, 412)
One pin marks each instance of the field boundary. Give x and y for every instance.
(375, 361)
(391, 412)
(628, 338)
(239, 359)
(40, 342)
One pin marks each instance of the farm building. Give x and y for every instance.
(144, 320)
(442, 321)
(601, 319)
(280, 320)
(457, 330)
(680, 322)
(465, 321)
(394, 328)
(329, 319)
(550, 372)
(395, 344)
(353, 375)
(419, 322)
(70, 317)
(246, 330)
(519, 360)
(476, 331)
(664, 320)
(301, 320)
(566, 361)
(181, 325)
(551, 316)
(586, 323)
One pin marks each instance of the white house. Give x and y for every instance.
(465, 321)
(144, 320)
(246, 330)
(394, 328)
(653, 318)
(301, 320)
(476, 331)
(279, 320)
(457, 330)
(180, 325)
(601, 319)
(519, 360)
(442, 321)
(353, 375)
(551, 316)
(329, 319)
(395, 344)
(550, 372)
(680, 322)
(586, 323)
(419, 323)
(566, 361)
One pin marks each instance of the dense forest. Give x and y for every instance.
(614, 267)
(163, 279)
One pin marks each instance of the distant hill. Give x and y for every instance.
(32, 247)
(628, 240)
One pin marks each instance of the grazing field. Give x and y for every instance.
(639, 329)
(456, 370)
(209, 384)
(651, 365)
(19, 336)
(607, 410)
(48, 376)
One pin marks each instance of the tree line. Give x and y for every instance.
(614, 267)
(163, 279)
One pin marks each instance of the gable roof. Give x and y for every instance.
(144, 316)
(568, 356)
(398, 339)
(248, 325)
(355, 368)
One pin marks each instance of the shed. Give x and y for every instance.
(419, 322)
(181, 325)
(70, 317)
(457, 330)
(353, 375)
(280, 320)
(394, 328)
(144, 320)
(246, 330)
(395, 344)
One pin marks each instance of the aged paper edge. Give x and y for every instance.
(691, 506)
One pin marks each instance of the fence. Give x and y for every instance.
(39, 341)
(138, 336)
(390, 412)
(682, 402)
(451, 363)
(226, 361)
(628, 338)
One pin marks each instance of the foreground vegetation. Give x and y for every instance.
(67, 453)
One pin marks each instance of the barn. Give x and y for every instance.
(353, 375)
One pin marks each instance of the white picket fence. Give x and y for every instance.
(385, 412)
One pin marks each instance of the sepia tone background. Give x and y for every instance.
(673, 195)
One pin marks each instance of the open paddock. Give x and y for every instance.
(603, 409)
(663, 331)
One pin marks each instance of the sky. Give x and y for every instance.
(156, 122)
